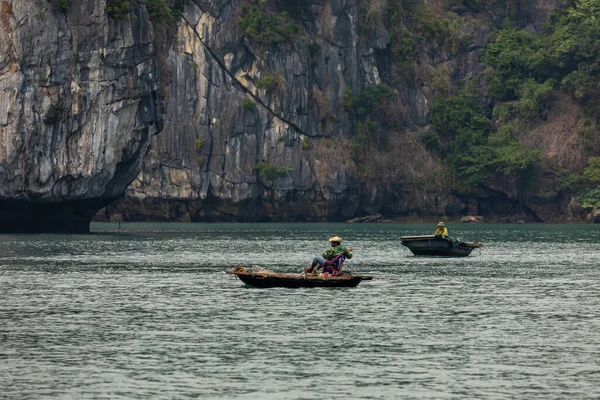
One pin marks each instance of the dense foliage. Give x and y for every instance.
(62, 5)
(475, 152)
(370, 109)
(118, 9)
(159, 9)
(257, 22)
(529, 69)
(269, 82)
(589, 195)
(270, 171)
(565, 55)
(480, 141)
(248, 104)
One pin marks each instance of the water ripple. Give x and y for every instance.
(147, 311)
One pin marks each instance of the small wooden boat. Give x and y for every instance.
(437, 245)
(269, 279)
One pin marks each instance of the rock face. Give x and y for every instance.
(368, 219)
(253, 131)
(595, 216)
(78, 106)
(471, 218)
(221, 123)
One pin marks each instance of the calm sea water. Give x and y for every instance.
(147, 311)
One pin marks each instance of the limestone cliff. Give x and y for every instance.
(259, 130)
(250, 110)
(78, 106)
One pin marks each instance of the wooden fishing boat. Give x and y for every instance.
(437, 245)
(269, 279)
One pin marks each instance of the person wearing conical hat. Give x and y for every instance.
(334, 255)
(441, 230)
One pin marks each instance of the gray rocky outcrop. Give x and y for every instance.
(368, 219)
(471, 219)
(595, 216)
(219, 124)
(80, 112)
(78, 106)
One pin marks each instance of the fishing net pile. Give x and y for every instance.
(257, 269)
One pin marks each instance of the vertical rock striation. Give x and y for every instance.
(224, 125)
(221, 123)
(254, 128)
(78, 106)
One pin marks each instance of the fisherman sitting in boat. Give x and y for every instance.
(333, 259)
(441, 230)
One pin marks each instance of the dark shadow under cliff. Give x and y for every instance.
(35, 217)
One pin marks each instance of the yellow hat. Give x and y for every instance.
(440, 224)
(336, 239)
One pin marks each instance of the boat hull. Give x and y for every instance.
(436, 246)
(261, 280)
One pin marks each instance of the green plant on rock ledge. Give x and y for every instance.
(62, 5)
(371, 99)
(270, 171)
(118, 9)
(249, 104)
(258, 23)
(160, 10)
(305, 143)
(347, 101)
(270, 82)
(314, 49)
(198, 144)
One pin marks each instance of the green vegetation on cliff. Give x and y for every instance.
(62, 5)
(370, 108)
(565, 55)
(270, 171)
(249, 104)
(270, 82)
(257, 22)
(118, 9)
(475, 153)
(159, 10)
(589, 196)
(485, 142)
(530, 70)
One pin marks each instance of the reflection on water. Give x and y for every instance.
(147, 311)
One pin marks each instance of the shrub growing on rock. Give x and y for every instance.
(118, 9)
(62, 5)
(265, 27)
(270, 171)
